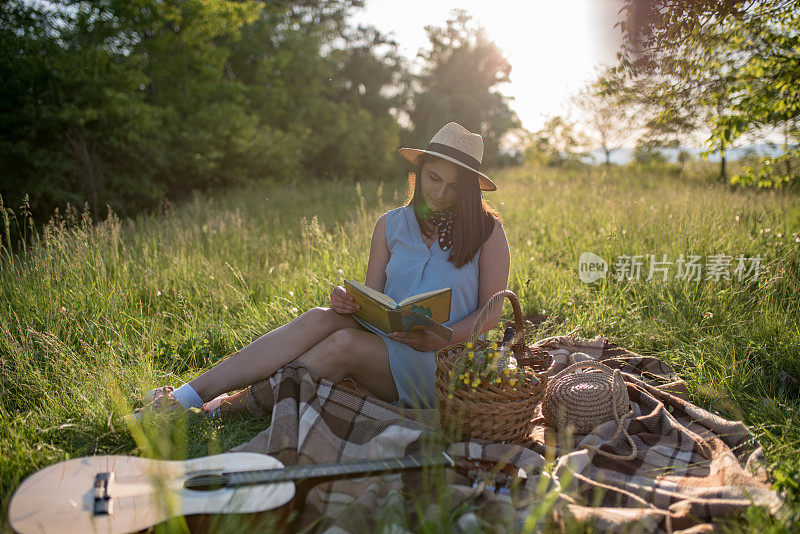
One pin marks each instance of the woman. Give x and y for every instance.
(446, 236)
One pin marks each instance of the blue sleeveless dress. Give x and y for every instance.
(414, 268)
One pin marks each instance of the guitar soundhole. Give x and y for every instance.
(206, 482)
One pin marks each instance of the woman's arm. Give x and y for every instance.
(493, 267)
(378, 257)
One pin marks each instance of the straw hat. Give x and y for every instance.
(458, 145)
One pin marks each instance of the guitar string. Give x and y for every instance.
(305, 471)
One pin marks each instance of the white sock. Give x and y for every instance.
(188, 397)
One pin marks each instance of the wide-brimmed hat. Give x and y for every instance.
(458, 145)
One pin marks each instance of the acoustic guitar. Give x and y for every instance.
(116, 494)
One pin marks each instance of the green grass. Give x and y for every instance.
(92, 316)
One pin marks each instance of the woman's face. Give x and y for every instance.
(439, 184)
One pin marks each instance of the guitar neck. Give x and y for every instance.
(343, 470)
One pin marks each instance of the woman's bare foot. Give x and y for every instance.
(224, 405)
(213, 408)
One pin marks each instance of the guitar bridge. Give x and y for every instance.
(103, 504)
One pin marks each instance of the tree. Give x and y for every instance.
(665, 119)
(735, 60)
(117, 103)
(555, 144)
(124, 102)
(608, 121)
(648, 157)
(365, 95)
(73, 121)
(459, 82)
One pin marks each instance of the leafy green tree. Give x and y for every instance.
(359, 132)
(556, 144)
(666, 119)
(125, 102)
(684, 157)
(318, 86)
(460, 76)
(370, 71)
(608, 120)
(185, 49)
(646, 156)
(735, 62)
(73, 122)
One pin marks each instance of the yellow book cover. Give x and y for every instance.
(417, 312)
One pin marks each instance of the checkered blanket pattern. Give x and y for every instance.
(692, 470)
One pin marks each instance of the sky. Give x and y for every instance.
(553, 46)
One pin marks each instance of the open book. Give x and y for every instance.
(424, 311)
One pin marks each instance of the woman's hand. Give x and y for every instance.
(342, 302)
(421, 340)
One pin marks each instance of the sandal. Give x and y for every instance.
(156, 393)
(159, 401)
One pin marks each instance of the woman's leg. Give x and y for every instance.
(270, 352)
(356, 353)
(238, 402)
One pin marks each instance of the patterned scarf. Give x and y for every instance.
(443, 221)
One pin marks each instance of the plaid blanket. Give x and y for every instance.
(692, 468)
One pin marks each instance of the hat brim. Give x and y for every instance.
(413, 154)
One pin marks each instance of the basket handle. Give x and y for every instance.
(497, 298)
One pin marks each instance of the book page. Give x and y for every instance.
(420, 296)
(386, 300)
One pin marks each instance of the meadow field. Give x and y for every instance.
(94, 315)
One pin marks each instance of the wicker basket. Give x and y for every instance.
(496, 413)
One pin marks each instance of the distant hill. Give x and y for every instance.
(625, 155)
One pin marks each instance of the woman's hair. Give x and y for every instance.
(473, 220)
